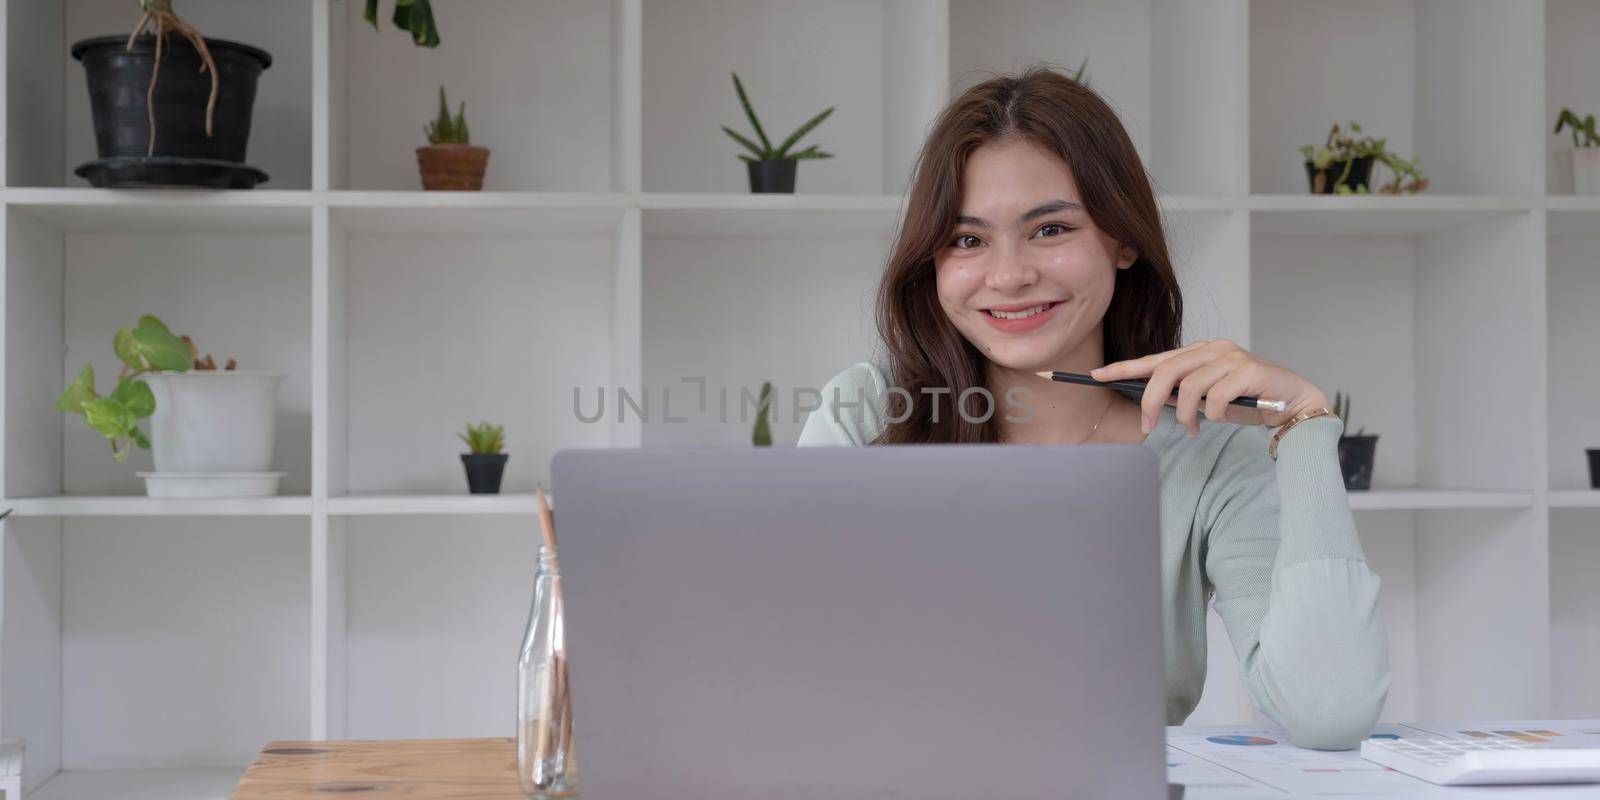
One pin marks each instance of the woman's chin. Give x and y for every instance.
(1023, 358)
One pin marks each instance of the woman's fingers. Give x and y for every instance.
(1165, 376)
(1138, 367)
(1196, 387)
(1237, 382)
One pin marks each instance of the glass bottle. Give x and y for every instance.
(546, 766)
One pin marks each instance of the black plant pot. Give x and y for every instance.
(484, 471)
(1594, 467)
(1356, 454)
(772, 177)
(1322, 180)
(118, 81)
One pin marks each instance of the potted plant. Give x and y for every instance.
(1582, 162)
(1343, 165)
(485, 460)
(170, 110)
(1356, 451)
(451, 161)
(761, 435)
(211, 430)
(772, 168)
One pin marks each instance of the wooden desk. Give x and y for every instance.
(417, 769)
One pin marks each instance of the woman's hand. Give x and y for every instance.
(1211, 373)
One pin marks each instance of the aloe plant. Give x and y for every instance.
(761, 436)
(484, 439)
(445, 130)
(146, 347)
(1341, 409)
(1584, 126)
(415, 16)
(765, 151)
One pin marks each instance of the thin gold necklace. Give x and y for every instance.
(1109, 401)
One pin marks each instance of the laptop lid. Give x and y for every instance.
(919, 622)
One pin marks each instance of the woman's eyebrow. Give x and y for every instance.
(1048, 208)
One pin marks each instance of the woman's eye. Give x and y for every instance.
(966, 241)
(1051, 229)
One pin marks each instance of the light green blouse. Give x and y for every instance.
(1274, 541)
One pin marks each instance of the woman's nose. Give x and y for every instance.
(1011, 274)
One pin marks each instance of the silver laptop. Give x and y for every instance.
(882, 622)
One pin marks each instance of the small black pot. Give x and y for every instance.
(1360, 171)
(772, 177)
(118, 81)
(484, 471)
(1594, 467)
(1356, 454)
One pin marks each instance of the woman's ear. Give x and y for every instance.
(1126, 256)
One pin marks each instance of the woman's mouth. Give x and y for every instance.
(1018, 319)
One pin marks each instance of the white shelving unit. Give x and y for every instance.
(148, 647)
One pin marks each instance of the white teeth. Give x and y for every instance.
(1024, 313)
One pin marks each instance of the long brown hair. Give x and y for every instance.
(924, 348)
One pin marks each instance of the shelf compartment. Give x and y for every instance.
(869, 60)
(537, 80)
(1175, 72)
(1574, 611)
(113, 622)
(502, 325)
(49, 125)
(1573, 289)
(1409, 71)
(1570, 29)
(697, 289)
(70, 288)
(428, 597)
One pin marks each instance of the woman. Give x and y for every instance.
(1032, 242)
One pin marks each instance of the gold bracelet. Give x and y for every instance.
(1272, 447)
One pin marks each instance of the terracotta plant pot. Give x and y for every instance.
(453, 167)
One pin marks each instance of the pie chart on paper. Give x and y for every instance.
(1241, 741)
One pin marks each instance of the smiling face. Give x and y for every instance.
(1027, 276)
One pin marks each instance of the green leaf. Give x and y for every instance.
(809, 154)
(136, 396)
(78, 392)
(112, 420)
(371, 14)
(746, 142)
(127, 351)
(761, 435)
(783, 149)
(139, 438)
(416, 16)
(744, 100)
(158, 349)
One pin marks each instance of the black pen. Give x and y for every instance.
(1138, 386)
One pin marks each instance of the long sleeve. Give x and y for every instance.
(1293, 587)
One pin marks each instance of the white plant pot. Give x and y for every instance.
(213, 421)
(1586, 171)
